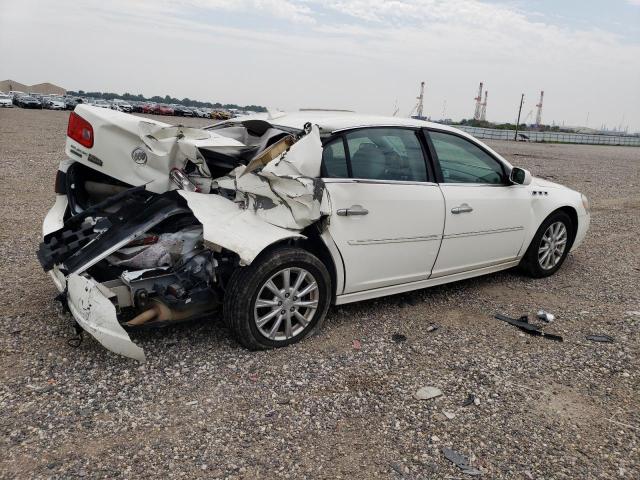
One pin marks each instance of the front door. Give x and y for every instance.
(386, 217)
(485, 215)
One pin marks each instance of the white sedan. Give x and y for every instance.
(273, 218)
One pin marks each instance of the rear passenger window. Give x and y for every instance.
(386, 154)
(334, 160)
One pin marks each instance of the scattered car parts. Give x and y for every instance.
(523, 324)
(461, 462)
(600, 338)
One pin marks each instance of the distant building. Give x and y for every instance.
(44, 88)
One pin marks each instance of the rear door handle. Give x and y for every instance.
(352, 210)
(464, 208)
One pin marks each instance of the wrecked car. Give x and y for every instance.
(270, 219)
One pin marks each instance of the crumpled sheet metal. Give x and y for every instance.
(227, 224)
(287, 192)
(97, 316)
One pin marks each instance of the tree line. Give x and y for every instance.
(166, 99)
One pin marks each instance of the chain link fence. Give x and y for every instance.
(552, 137)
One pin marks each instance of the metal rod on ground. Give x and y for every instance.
(515, 137)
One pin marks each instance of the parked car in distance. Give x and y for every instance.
(165, 110)
(101, 103)
(6, 101)
(71, 102)
(363, 207)
(54, 103)
(150, 108)
(121, 106)
(181, 110)
(27, 101)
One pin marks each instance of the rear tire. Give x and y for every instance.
(549, 247)
(280, 299)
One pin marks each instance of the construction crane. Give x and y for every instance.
(483, 110)
(478, 99)
(539, 106)
(417, 111)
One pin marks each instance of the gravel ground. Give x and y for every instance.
(341, 404)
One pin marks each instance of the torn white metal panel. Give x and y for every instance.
(303, 158)
(159, 147)
(227, 224)
(97, 316)
(55, 216)
(287, 192)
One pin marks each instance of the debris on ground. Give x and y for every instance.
(40, 389)
(461, 462)
(433, 327)
(546, 316)
(356, 345)
(398, 338)
(600, 338)
(426, 393)
(449, 415)
(469, 400)
(523, 324)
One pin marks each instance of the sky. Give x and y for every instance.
(364, 55)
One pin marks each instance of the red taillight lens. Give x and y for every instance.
(80, 130)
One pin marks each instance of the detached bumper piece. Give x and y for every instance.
(523, 324)
(97, 315)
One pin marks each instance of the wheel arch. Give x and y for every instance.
(314, 243)
(573, 215)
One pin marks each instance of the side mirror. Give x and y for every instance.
(520, 176)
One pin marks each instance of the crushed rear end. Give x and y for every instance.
(150, 220)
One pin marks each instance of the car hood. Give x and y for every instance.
(541, 182)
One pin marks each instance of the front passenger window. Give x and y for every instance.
(461, 161)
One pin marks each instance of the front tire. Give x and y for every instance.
(280, 299)
(549, 247)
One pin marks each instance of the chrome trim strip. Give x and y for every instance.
(381, 182)
(483, 232)
(428, 238)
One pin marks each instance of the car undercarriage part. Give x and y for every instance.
(148, 258)
(600, 338)
(523, 324)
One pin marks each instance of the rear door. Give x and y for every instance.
(387, 216)
(485, 214)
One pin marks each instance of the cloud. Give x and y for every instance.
(327, 53)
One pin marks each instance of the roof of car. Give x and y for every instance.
(332, 120)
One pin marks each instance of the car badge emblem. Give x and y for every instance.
(139, 156)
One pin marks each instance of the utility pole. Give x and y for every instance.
(539, 114)
(478, 99)
(515, 137)
(483, 109)
(420, 104)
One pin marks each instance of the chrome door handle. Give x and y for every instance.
(352, 210)
(464, 208)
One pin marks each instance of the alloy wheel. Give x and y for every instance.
(286, 303)
(552, 245)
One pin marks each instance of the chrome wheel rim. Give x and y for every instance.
(552, 245)
(286, 304)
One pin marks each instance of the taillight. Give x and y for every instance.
(80, 130)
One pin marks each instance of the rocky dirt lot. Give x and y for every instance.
(341, 404)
